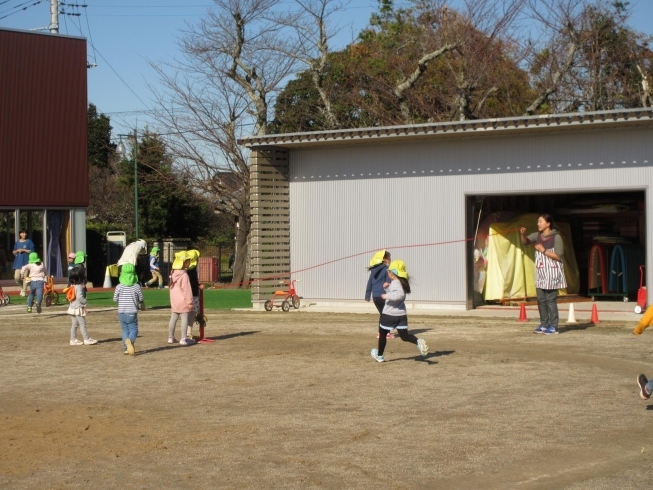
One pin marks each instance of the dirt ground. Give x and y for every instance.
(294, 400)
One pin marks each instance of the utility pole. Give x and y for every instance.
(54, 16)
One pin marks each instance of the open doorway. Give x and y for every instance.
(593, 225)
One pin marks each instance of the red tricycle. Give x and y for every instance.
(50, 295)
(289, 297)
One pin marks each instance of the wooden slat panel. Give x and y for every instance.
(270, 207)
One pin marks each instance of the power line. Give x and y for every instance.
(114, 71)
(20, 10)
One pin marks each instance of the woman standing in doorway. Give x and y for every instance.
(549, 271)
(22, 248)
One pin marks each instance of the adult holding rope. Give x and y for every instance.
(549, 271)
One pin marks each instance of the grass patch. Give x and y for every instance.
(214, 299)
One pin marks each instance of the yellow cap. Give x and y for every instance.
(377, 258)
(193, 255)
(180, 258)
(398, 268)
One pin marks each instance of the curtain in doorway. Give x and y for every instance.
(54, 219)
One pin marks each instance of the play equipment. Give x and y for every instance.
(49, 294)
(597, 271)
(594, 319)
(201, 321)
(572, 314)
(289, 297)
(4, 298)
(641, 292)
(522, 313)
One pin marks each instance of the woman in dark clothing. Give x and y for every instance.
(378, 276)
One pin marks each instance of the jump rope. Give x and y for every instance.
(399, 247)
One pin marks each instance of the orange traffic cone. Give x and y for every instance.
(595, 315)
(522, 313)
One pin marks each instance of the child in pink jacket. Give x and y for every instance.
(181, 299)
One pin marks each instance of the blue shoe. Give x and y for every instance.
(540, 329)
(550, 330)
(376, 356)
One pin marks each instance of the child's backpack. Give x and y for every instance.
(70, 293)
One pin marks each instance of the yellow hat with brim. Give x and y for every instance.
(180, 258)
(398, 268)
(193, 255)
(377, 258)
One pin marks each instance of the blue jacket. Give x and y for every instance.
(378, 275)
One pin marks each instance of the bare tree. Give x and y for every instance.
(554, 51)
(223, 87)
(311, 49)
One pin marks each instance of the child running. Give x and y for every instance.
(378, 277)
(181, 299)
(36, 271)
(77, 307)
(129, 295)
(154, 269)
(394, 311)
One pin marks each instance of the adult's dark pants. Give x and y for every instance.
(548, 306)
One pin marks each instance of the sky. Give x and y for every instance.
(125, 36)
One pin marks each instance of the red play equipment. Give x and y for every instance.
(289, 297)
(641, 292)
(201, 320)
(4, 298)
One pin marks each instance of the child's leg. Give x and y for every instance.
(159, 278)
(39, 292)
(125, 329)
(184, 324)
(133, 328)
(193, 314)
(30, 298)
(405, 336)
(73, 328)
(82, 326)
(383, 333)
(173, 324)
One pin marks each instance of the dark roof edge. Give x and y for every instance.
(468, 127)
(43, 33)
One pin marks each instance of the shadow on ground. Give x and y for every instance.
(427, 358)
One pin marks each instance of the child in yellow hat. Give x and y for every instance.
(378, 277)
(394, 311)
(181, 299)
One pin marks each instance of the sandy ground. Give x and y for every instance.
(294, 400)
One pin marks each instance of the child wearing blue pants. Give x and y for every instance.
(36, 271)
(129, 295)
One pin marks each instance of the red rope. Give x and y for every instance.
(434, 244)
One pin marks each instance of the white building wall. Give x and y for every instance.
(348, 201)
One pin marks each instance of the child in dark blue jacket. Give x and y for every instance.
(378, 276)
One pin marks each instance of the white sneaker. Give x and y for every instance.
(22, 293)
(76, 342)
(376, 356)
(423, 348)
(186, 341)
(90, 341)
(172, 340)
